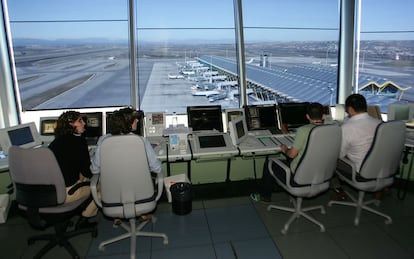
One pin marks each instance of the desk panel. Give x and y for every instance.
(265, 145)
(227, 150)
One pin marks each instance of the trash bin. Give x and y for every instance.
(181, 194)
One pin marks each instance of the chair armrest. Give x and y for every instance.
(77, 186)
(159, 181)
(94, 191)
(281, 164)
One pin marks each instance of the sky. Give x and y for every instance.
(216, 17)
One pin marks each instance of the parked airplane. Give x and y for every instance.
(171, 76)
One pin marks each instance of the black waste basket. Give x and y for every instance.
(181, 194)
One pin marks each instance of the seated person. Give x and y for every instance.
(71, 152)
(125, 121)
(357, 136)
(315, 117)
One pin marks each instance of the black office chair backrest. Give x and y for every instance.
(36, 177)
(385, 153)
(318, 162)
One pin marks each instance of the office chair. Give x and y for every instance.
(126, 186)
(41, 193)
(377, 170)
(312, 175)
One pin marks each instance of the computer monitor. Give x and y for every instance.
(338, 113)
(93, 127)
(238, 130)
(205, 118)
(293, 115)
(262, 117)
(400, 111)
(23, 135)
(374, 111)
(212, 141)
(232, 114)
(154, 123)
(48, 125)
(47, 128)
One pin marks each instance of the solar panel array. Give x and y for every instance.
(300, 83)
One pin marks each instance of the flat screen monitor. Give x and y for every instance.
(262, 118)
(338, 113)
(23, 135)
(374, 111)
(232, 114)
(293, 115)
(400, 111)
(211, 141)
(205, 118)
(93, 127)
(154, 124)
(47, 126)
(238, 130)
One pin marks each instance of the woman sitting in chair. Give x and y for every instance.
(71, 152)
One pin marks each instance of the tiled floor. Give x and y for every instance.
(238, 228)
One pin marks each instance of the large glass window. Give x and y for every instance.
(71, 53)
(75, 53)
(385, 53)
(291, 50)
(179, 43)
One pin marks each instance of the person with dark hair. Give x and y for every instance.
(357, 135)
(358, 131)
(72, 155)
(314, 114)
(125, 121)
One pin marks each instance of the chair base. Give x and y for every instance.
(297, 212)
(360, 205)
(132, 232)
(60, 238)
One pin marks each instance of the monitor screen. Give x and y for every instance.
(203, 118)
(47, 126)
(262, 118)
(338, 112)
(23, 135)
(154, 124)
(20, 136)
(293, 114)
(238, 130)
(157, 118)
(400, 111)
(232, 114)
(93, 127)
(212, 141)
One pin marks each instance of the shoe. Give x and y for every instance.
(117, 222)
(257, 197)
(380, 195)
(339, 194)
(146, 217)
(85, 223)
